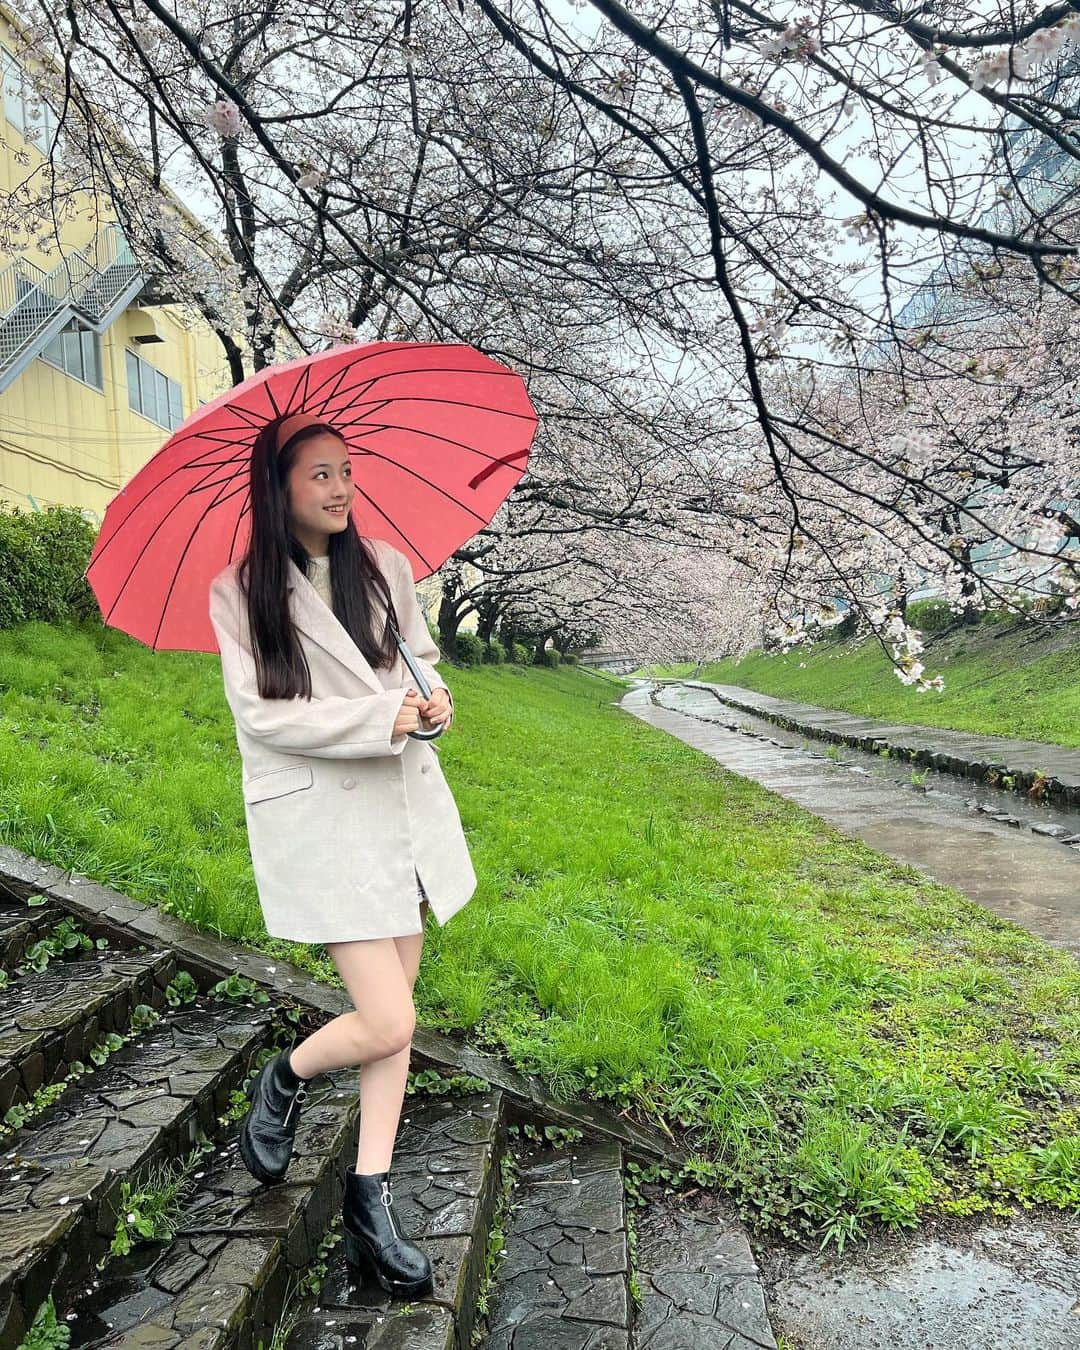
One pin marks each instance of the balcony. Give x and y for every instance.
(94, 285)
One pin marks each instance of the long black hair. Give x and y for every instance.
(356, 580)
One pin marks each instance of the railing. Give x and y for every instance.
(88, 283)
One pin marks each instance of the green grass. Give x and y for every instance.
(1003, 685)
(838, 1040)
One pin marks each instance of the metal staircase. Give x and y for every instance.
(94, 285)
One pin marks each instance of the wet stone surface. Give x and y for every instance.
(20, 928)
(299, 1209)
(210, 958)
(700, 1286)
(60, 1174)
(176, 1290)
(563, 1283)
(414, 1328)
(226, 1270)
(1008, 1286)
(1025, 878)
(443, 1181)
(959, 752)
(50, 1020)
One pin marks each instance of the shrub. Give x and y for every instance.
(848, 625)
(43, 555)
(570, 658)
(469, 649)
(494, 653)
(551, 656)
(520, 654)
(930, 616)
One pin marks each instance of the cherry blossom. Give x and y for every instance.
(224, 117)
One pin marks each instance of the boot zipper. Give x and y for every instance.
(386, 1199)
(298, 1096)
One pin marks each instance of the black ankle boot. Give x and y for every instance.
(266, 1136)
(374, 1242)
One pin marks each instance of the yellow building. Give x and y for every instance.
(92, 381)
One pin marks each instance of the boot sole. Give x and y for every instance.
(358, 1257)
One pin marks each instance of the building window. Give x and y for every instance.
(30, 115)
(152, 393)
(76, 350)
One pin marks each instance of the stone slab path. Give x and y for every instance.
(1006, 1285)
(700, 1285)
(1031, 880)
(963, 752)
(123, 1062)
(564, 1280)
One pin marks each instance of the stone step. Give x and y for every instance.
(21, 926)
(700, 1285)
(48, 1020)
(444, 1180)
(61, 1175)
(564, 1281)
(225, 1276)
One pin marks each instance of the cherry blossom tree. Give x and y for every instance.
(834, 154)
(705, 234)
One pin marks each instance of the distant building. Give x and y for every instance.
(1032, 172)
(93, 379)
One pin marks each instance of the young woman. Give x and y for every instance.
(353, 831)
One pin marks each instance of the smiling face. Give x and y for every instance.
(320, 479)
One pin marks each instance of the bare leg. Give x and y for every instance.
(384, 1019)
(382, 1082)
(379, 974)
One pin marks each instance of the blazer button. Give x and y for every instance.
(348, 782)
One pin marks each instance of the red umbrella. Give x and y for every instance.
(438, 435)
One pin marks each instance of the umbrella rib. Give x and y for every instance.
(384, 399)
(455, 403)
(176, 570)
(200, 486)
(333, 381)
(434, 436)
(399, 532)
(419, 477)
(341, 375)
(246, 415)
(142, 551)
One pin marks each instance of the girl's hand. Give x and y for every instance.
(408, 718)
(436, 708)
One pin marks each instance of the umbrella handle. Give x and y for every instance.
(422, 684)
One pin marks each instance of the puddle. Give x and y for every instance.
(1014, 1286)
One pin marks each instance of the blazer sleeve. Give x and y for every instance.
(329, 728)
(414, 628)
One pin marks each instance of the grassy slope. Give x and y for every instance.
(1001, 685)
(838, 1038)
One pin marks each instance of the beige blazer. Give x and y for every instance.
(341, 818)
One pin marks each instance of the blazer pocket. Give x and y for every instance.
(277, 782)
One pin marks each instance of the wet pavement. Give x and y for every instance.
(964, 752)
(1030, 879)
(1012, 1286)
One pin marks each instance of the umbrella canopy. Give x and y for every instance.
(438, 435)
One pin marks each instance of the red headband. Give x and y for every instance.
(296, 422)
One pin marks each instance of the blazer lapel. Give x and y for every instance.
(321, 624)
